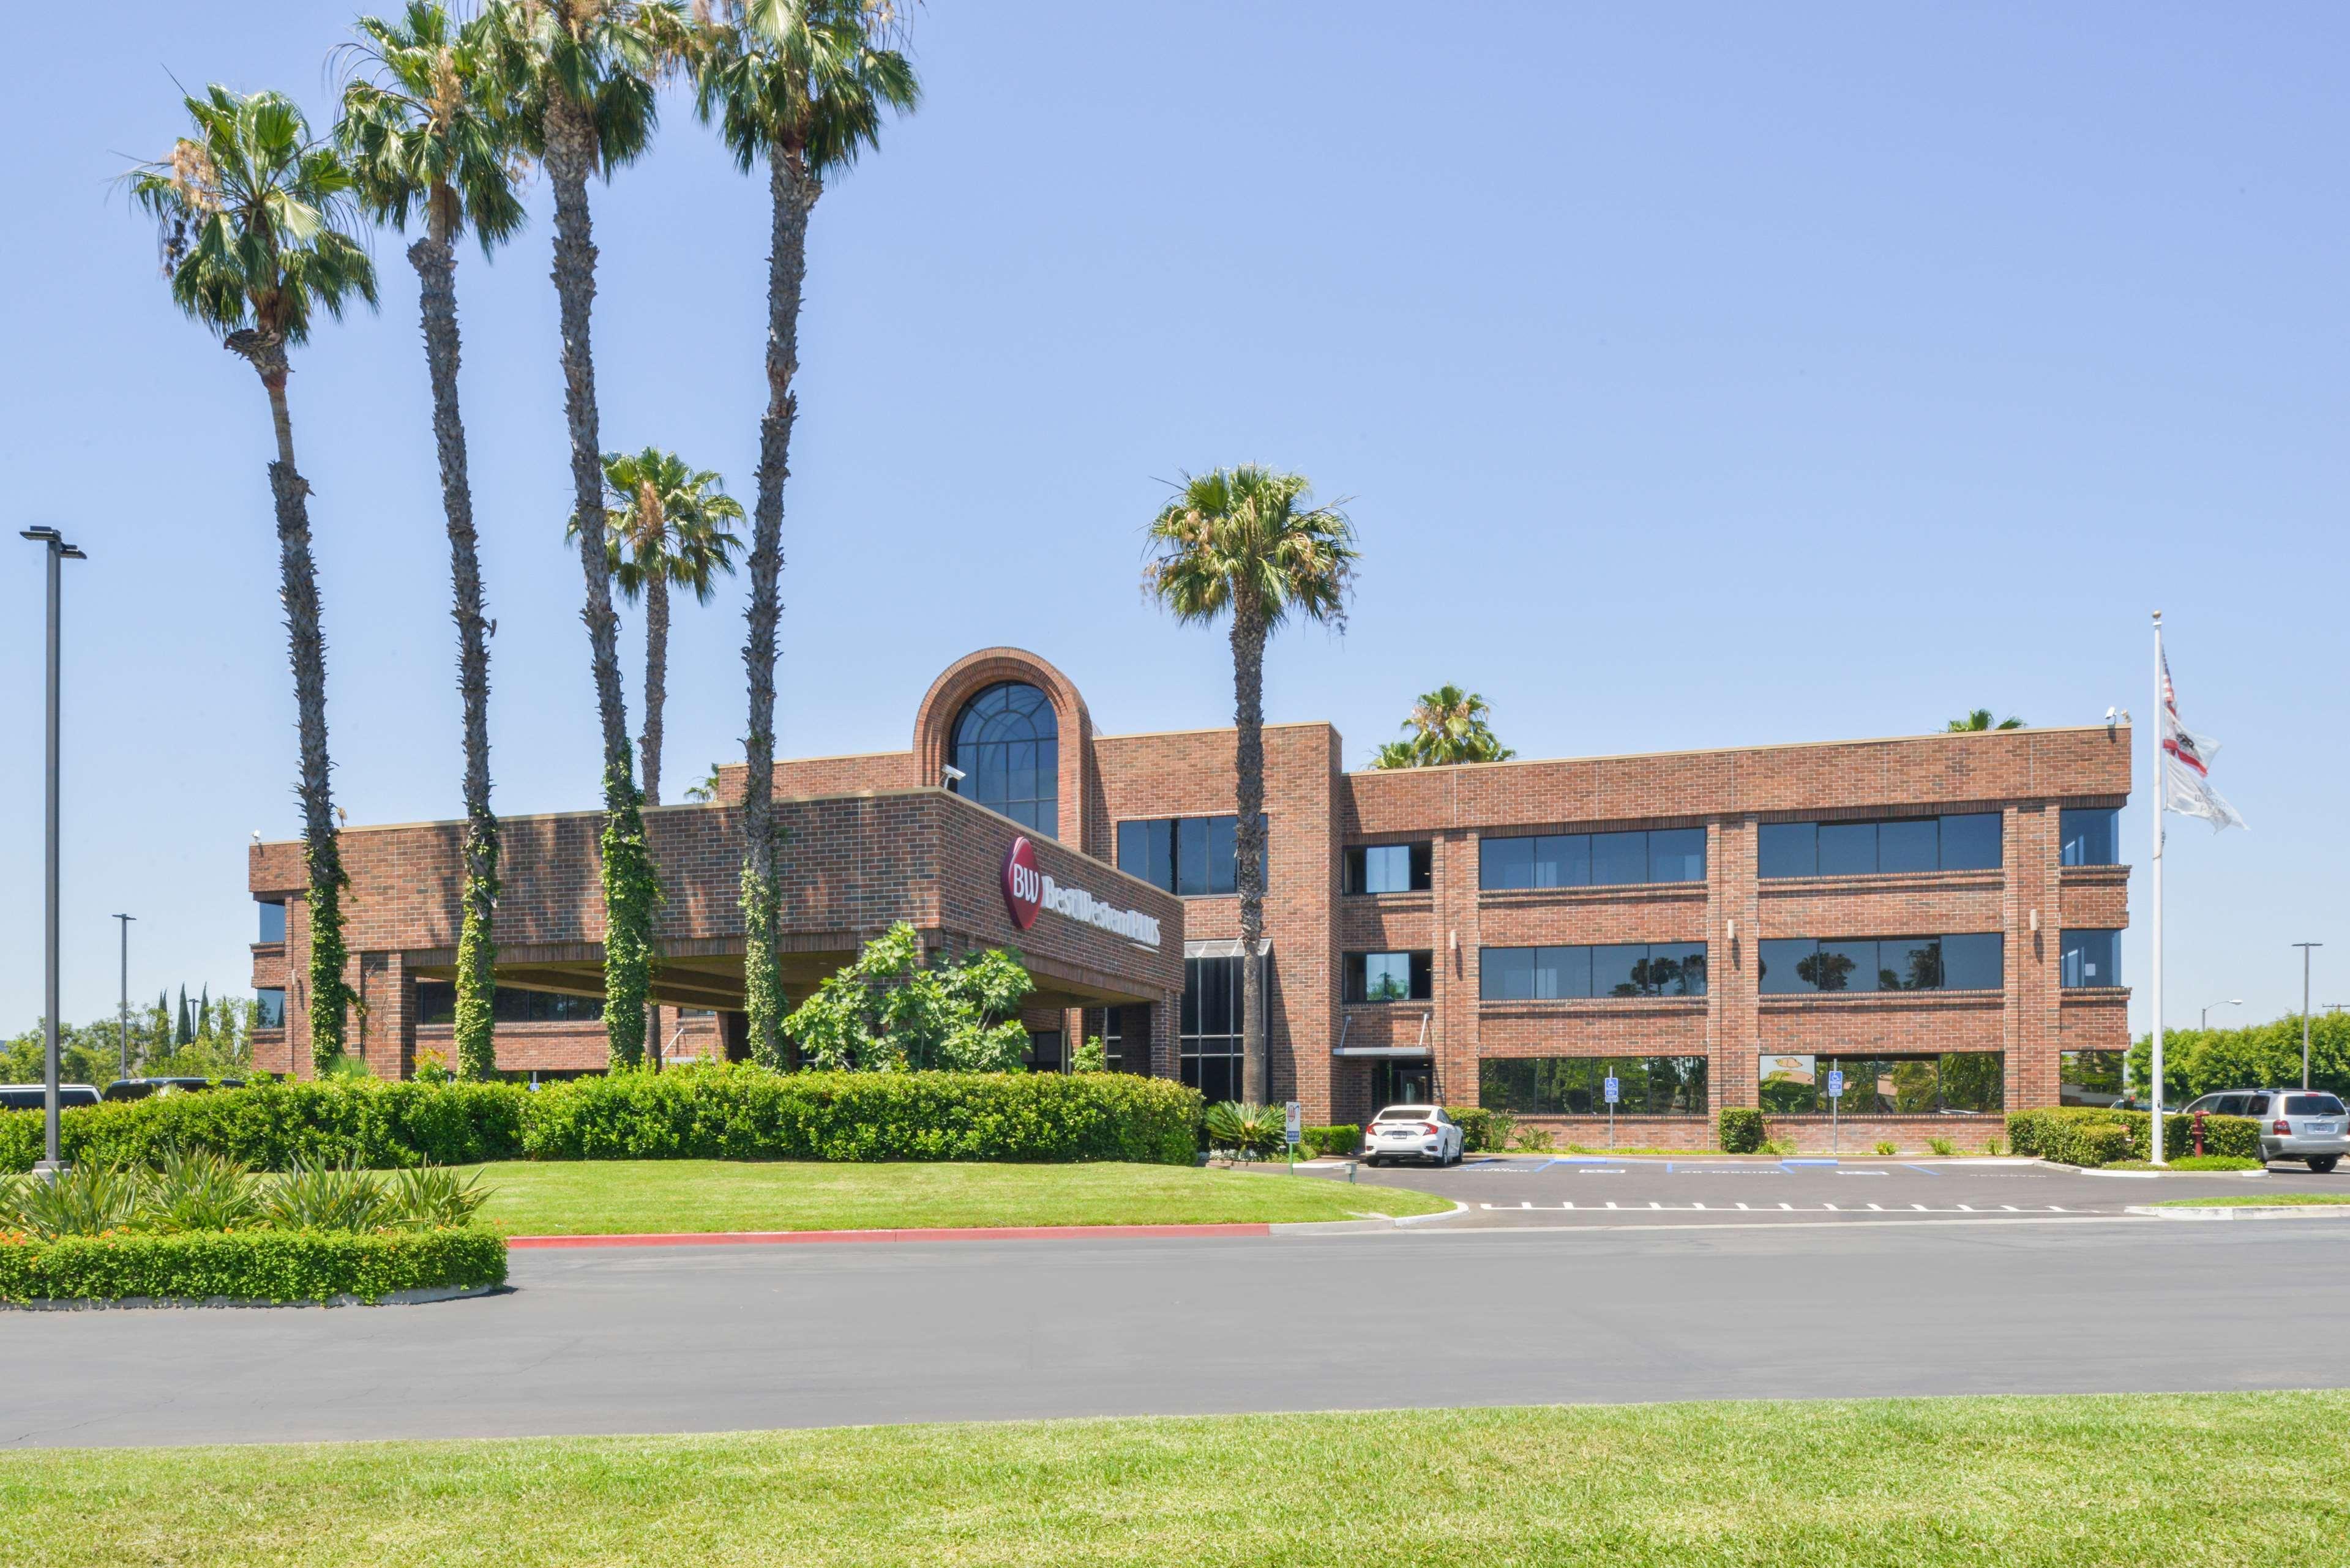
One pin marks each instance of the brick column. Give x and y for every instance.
(1733, 1013)
(1166, 1046)
(1454, 876)
(2033, 979)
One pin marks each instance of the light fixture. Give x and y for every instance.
(1732, 926)
(1456, 939)
(2035, 920)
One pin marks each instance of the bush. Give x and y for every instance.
(1741, 1129)
(1341, 1141)
(697, 1113)
(1884, 1148)
(2056, 1134)
(250, 1265)
(1482, 1131)
(1533, 1140)
(2191, 1162)
(1247, 1132)
(1942, 1147)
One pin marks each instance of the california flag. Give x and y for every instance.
(2187, 766)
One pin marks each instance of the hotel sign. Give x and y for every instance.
(1026, 890)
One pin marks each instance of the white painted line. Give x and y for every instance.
(1864, 1173)
(1788, 1206)
(1741, 1206)
(1966, 1208)
(1611, 1206)
(1878, 1206)
(1697, 1205)
(1654, 1204)
(1829, 1207)
(1919, 1207)
(2011, 1208)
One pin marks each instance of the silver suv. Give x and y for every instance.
(2295, 1123)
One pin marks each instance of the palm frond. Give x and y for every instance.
(1250, 535)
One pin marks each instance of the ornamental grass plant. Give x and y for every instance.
(205, 1192)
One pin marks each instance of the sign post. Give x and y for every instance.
(1609, 1088)
(1835, 1106)
(1292, 1130)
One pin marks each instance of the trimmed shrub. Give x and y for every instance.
(698, 1113)
(1320, 1142)
(1482, 1131)
(1741, 1129)
(250, 1265)
(748, 1113)
(2056, 1135)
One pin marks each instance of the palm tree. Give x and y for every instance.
(1979, 721)
(704, 790)
(1245, 541)
(256, 219)
(667, 529)
(801, 87)
(1447, 725)
(579, 79)
(422, 130)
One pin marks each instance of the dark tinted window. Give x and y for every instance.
(1191, 857)
(1788, 850)
(2091, 958)
(1576, 1085)
(1007, 744)
(1568, 974)
(1782, 959)
(1974, 961)
(1506, 974)
(1613, 967)
(1843, 965)
(269, 1007)
(2089, 1077)
(1952, 1083)
(1963, 963)
(273, 922)
(1390, 976)
(1504, 864)
(1914, 844)
(1387, 869)
(2311, 1105)
(1618, 857)
(1223, 855)
(1209, 1027)
(1847, 848)
(1971, 843)
(1562, 860)
(1909, 963)
(1146, 850)
(1676, 855)
(2091, 834)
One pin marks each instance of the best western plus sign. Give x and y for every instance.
(1936, 917)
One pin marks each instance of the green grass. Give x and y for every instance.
(571, 1198)
(2174, 1481)
(2257, 1201)
(2189, 1162)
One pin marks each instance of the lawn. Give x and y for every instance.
(2177, 1480)
(2256, 1201)
(589, 1196)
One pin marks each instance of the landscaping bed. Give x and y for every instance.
(2210, 1480)
(2258, 1200)
(2092, 1137)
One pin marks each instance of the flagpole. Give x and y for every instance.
(2155, 974)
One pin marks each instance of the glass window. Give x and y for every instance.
(1506, 974)
(1785, 964)
(1505, 863)
(2089, 1077)
(436, 1002)
(1618, 857)
(1912, 844)
(1146, 850)
(2091, 958)
(1675, 968)
(1973, 1082)
(1617, 969)
(1563, 972)
(1576, 1085)
(1387, 869)
(2311, 1105)
(1974, 961)
(1676, 855)
(1953, 1083)
(1562, 860)
(2091, 834)
(1788, 850)
(1843, 965)
(1909, 963)
(1572, 973)
(1209, 1034)
(1847, 848)
(1191, 858)
(1007, 743)
(269, 1009)
(273, 921)
(1972, 842)
(1789, 1086)
(1391, 977)
(1223, 855)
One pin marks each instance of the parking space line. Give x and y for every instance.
(1927, 1169)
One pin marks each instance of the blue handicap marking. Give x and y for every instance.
(1609, 1087)
(1836, 1084)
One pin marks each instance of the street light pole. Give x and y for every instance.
(123, 1015)
(2304, 948)
(2231, 1001)
(59, 552)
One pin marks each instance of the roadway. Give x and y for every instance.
(720, 1338)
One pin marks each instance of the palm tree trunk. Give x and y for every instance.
(435, 261)
(1248, 839)
(627, 870)
(306, 640)
(792, 189)
(656, 677)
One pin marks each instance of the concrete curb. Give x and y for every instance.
(815, 1238)
(142, 1303)
(2246, 1211)
(2260, 1175)
(1347, 1227)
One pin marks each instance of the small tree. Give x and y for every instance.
(889, 1012)
(1447, 725)
(1979, 721)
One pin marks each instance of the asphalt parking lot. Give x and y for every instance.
(1544, 1191)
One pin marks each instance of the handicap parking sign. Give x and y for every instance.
(1609, 1088)
(1836, 1085)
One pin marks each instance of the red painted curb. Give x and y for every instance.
(972, 1233)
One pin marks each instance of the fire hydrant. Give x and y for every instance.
(2198, 1133)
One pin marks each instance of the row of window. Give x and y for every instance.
(1591, 859)
(1951, 1083)
(1577, 1086)
(1972, 961)
(1969, 842)
(1209, 1027)
(1191, 856)
(1615, 969)
(436, 1002)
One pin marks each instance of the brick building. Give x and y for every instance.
(1937, 918)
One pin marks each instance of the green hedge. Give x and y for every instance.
(699, 1113)
(250, 1265)
(1741, 1129)
(1341, 1140)
(2086, 1135)
(1482, 1131)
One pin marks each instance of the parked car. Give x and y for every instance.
(34, 1097)
(1422, 1133)
(2295, 1123)
(139, 1088)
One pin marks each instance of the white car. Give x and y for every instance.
(1413, 1132)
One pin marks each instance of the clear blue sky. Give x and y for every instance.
(1699, 376)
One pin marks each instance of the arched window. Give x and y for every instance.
(1008, 747)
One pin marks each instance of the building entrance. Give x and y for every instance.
(1406, 1083)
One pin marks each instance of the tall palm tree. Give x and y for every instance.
(578, 78)
(1447, 725)
(257, 227)
(424, 132)
(667, 527)
(1980, 721)
(1245, 541)
(800, 86)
